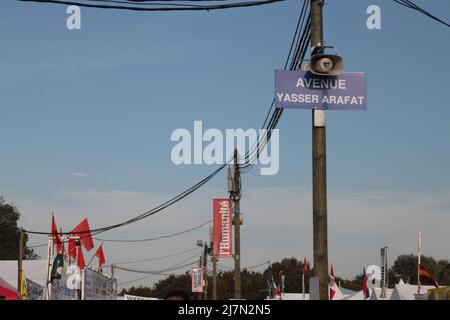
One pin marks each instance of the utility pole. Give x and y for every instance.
(205, 270)
(113, 278)
(214, 264)
(419, 244)
(384, 275)
(19, 264)
(200, 265)
(214, 276)
(319, 168)
(236, 197)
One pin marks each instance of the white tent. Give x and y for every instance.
(376, 294)
(357, 296)
(347, 292)
(294, 296)
(291, 296)
(337, 293)
(34, 270)
(406, 291)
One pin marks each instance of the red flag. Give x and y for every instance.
(55, 235)
(72, 248)
(305, 265)
(84, 232)
(426, 277)
(277, 292)
(332, 283)
(365, 287)
(100, 255)
(80, 258)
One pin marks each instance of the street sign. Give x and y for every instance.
(304, 90)
(197, 279)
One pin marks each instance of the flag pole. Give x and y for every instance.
(48, 285)
(419, 240)
(89, 263)
(83, 275)
(303, 283)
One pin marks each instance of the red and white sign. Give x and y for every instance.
(197, 279)
(222, 229)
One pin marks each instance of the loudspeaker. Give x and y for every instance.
(325, 64)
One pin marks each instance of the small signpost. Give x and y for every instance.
(197, 280)
(305, 90)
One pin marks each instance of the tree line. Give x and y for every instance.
(254, 284)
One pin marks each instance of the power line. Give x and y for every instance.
(301, 45)
(159, 271)
(249, 267)
(133, 7)
(138, 240)
(158, 258)
(159, 274)
(150, 212)
(412, 5)
(156, 238)
(145, 3)
(259, 265)
(296, 60)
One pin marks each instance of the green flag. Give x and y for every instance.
(57, 267)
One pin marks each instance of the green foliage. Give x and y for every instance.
(181, 282)
(9, 234)
(139, 291)
(354, 284)
(405, 267)
(253, 284)
(292, 270)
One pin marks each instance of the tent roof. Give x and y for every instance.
(7, 290)
(347, 292)
(291, 296)
(357, 296)
(376, 293)
(34, 270)
(407, 291)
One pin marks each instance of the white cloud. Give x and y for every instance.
(77, 174)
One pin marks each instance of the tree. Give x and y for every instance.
(139, 291)
(10, 233)
(405, 268)
(355, 284)
(180, 282)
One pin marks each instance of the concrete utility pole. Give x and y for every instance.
(214, 264)
(236, 197)
(200, 265)
(19, 264)
(319, 167)
(384, 275)
(205, 268)
(214, 278)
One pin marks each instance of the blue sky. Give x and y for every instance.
(101, 102)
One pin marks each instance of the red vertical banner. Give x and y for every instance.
(222, 228)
